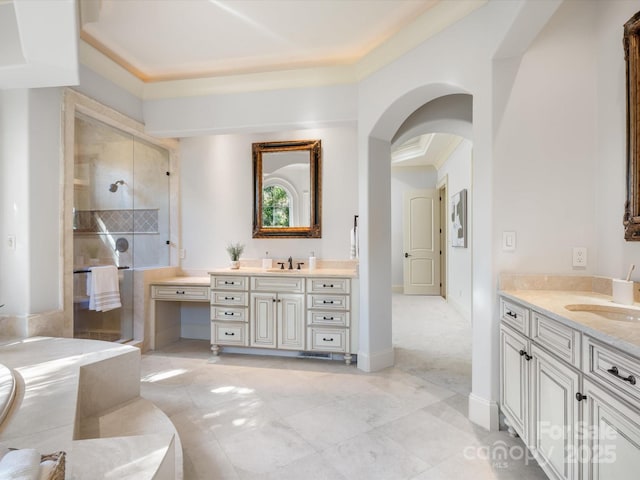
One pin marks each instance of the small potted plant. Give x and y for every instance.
(234, 251)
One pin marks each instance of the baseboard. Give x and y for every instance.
(397, 289)
(483, 412)
(376, 361)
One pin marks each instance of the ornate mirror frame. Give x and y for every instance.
(631, 43)
(313, 147)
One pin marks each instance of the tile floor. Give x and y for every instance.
(255, 417)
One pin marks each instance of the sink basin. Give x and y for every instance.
(610, 312)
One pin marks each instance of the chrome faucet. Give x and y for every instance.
(290, 263)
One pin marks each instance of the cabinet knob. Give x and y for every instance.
(580, 397)
(525, 355)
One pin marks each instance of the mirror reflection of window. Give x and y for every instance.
(276, 207)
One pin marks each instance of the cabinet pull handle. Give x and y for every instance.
(327, 339)
(580, 397)
(525, 355)
(229, 298)
(324, 285)
(179, 292)
(330, 302)
(230, 334)
(229, 283)
(509, 313)
(615, 372)
(327, 318)
(229, 314)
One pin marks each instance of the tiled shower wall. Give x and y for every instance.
(116, 221)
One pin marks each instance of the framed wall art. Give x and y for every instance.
(459, 219)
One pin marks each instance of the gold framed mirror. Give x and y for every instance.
(631, 43)
(287, 189)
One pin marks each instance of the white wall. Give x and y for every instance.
(545, 155)
(457, 170)
(217, 197)
(29, 165)
(404, 179)
(14, 151)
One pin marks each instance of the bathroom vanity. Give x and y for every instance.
(570, 376)
(256, 310)
(288, 310)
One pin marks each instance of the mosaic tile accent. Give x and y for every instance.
(116, 221)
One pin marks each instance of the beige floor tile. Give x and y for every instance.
(373, 456)
(264, 450)
(327, 425)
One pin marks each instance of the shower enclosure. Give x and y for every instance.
(120, 217)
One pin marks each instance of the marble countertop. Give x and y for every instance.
(303, 272)
(186, 281)
(622, 334)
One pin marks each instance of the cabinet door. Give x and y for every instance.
(514, 380)
(611, 447)
(263, 308)
(290, 321)
(554, 412)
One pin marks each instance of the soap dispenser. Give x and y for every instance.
(312, 261)
(267, 262)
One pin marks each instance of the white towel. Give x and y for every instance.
(355, 250)
(21, 464)
(103, 288)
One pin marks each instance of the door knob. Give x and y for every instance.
(406, 255)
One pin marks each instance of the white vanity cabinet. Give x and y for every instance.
(514, 381)
(229, 311)
(571, 398)
(277, 312)
(328, 315)
(285, 312)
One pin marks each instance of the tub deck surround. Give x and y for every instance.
(83, 397)
(549, 295)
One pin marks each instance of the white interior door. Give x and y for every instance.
(421, 241)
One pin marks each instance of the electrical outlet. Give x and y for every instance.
(580, 257)
(11, 242)
(182, 253)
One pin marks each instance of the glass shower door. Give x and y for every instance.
(121, 218)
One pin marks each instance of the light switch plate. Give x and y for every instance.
(508, 241)
(580, 257)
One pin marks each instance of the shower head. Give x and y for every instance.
(114, 186)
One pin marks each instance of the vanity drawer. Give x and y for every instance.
(328, 285)
(277, 283)
(230, 298)
(229, 282)
(337, 302)
(562, 341)
(612, 367)
(230, 334)
(229, 314)
(180, 292)
(339, 319)
(326, 339)
(514, 315)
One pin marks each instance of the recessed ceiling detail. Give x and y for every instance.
(431, 149)
(172, 39)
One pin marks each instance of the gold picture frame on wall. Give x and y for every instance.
(631, 42)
